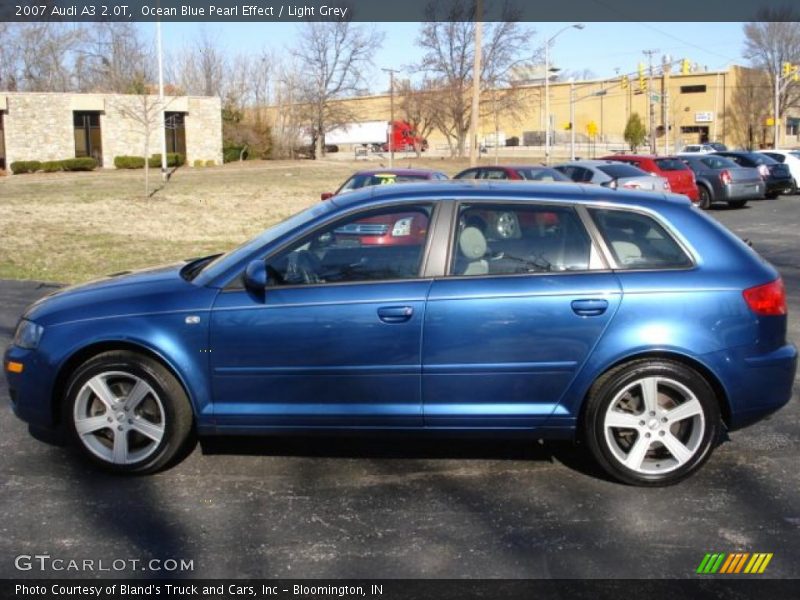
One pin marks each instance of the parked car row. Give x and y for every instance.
(706, 175)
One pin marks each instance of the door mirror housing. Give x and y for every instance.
(326, 195)
(256, 278)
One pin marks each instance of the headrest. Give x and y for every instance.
(472, 243)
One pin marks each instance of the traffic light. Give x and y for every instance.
(685, 66)
(625, 82)
(787, 69)
(642, 82)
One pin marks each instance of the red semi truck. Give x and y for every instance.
(399, 136)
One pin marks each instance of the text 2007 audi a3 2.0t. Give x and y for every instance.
(630, 321)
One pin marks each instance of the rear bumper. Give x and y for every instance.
(743, 191)
(756, 385)
(779, 186)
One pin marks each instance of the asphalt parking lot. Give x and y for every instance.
(410, 507)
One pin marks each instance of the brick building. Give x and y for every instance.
(54, 126)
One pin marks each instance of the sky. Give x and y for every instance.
(601, 48)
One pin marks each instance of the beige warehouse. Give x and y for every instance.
(53, 126)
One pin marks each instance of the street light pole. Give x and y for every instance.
(391, 114)
(572, 119)
(163, 127)
(547, 87)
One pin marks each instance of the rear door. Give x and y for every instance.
(525, 299)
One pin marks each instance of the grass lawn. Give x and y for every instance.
(72, 227)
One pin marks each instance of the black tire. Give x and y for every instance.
(772, 195)
(737, 203)
(705, 200)
(606, 389)
(173, 408)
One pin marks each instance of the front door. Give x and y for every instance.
(526, 299)
(335, 340)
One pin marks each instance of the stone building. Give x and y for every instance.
(54, 126)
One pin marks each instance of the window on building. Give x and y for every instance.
(693, 89)
(175, 130)
(2, 145)
(88, 140)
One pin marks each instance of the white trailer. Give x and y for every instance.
(367, 133)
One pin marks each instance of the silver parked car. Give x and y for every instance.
(612, 174)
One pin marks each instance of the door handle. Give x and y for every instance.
(395, 314)
(589, 307)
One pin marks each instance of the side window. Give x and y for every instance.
(470, 174)
(494, 239)
(637, 241)
(494, 174)
(371, 246)
(582, 175)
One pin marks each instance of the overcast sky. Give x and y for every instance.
(599, 47)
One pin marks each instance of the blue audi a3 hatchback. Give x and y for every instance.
(630, 322)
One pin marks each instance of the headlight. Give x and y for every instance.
(28, 334)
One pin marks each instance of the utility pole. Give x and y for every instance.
(572, 119)
(391, 114)
(665, 104)
(476, 86)
(651, 105)
(163, 127)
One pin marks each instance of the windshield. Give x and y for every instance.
(223, 262)
(542, 174)
(366, 180)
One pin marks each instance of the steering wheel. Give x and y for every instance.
(302, 267)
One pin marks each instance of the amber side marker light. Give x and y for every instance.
(14, 367)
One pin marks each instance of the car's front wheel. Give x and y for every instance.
(651, 422)
(127, 413)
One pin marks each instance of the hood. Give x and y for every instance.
(159, 289)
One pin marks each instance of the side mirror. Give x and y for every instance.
(326, 195)
(256, 278)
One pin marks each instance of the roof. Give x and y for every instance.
(393, 171)
(466, 189)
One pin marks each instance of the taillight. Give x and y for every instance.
(632, 185)
(763, 170)
(402, 227)
(725, 177)
(768, 299)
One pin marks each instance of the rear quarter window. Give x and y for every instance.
(638, 241)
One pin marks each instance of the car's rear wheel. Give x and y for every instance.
(772, 195)
(127, 413)
(651, 422)
(704, 201)
(737, 203)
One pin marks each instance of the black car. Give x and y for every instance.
(719, 179)
(777, 176)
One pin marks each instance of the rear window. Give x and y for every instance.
(621, 170)
(763, 159)
(638, 241)
(717, 162)
(542, 175)
(671, 164)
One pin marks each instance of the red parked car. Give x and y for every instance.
(672, 168)
(395, 229)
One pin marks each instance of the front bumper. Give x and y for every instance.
(31, 399)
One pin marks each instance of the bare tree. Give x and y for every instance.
(200, 68)
(38, 57)
(114, 58)
(420, 105)
(448, 39)
(145, 113)
(771, 41)
(334, 58)
(749, 107)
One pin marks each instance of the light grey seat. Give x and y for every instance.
(472, 250)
